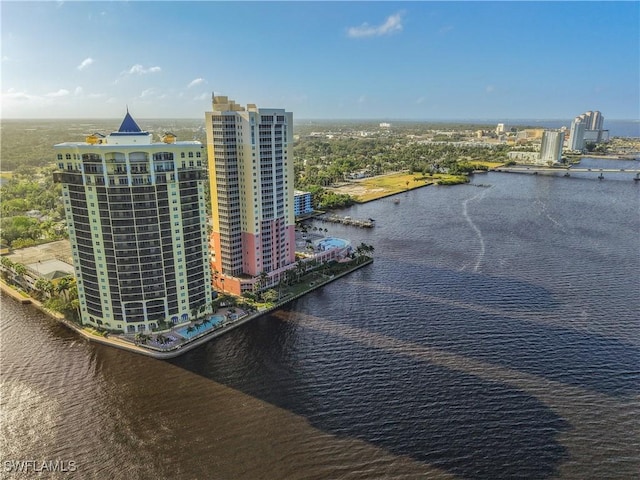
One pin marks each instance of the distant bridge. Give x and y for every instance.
(534, 170)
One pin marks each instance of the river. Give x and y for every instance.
(496, 336)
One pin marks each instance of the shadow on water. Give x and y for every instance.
(465, 286)
(572, 357)
(491, 319)
(458, 422)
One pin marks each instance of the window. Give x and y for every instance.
(190, 154)
(181, 154)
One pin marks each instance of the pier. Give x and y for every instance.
(369, 223)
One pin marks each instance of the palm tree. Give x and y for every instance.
(264, 277)
(75, 306)
(43, 286)
(20, 270)
(212, 306)
(6, 262)
(64, 284)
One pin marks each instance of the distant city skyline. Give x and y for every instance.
(322, 60)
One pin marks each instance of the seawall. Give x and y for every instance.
(115, 341)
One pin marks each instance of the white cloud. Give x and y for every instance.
(5, 58)
(489, 88)
(12, 94)
(78, 91)
(148, 92)
(195, 82)
(391, 25)
(85, 63)
(420, 100)
(201, 97)
(138, 69)
(63, 92)
(362, 99)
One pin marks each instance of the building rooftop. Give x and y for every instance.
(129, 127)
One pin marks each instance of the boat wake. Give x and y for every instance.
(542, 210)
(465, 213)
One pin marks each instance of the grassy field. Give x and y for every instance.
(487, 164)
(385, 185)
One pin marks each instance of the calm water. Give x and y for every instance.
(495, 336)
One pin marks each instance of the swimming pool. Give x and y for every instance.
(331, 242)
(215, 320)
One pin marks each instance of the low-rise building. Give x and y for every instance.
(302, 203)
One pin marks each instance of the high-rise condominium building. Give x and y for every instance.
(137, 224)
(593, 131)
(576, 134)
(593, 120)
(251, 176)
(551, 148)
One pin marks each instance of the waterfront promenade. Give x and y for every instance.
(127, 342)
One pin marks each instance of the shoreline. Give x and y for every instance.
(177, 350)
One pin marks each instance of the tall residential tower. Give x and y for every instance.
(576, 135)
(252, 196)
(551, 147)
(591, 130)
(137, 224)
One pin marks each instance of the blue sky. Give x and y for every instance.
(379, 60)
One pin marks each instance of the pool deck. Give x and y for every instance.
(126, 342)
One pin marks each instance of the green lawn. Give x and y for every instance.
(386, 185)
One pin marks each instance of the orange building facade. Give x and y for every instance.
(252, 196)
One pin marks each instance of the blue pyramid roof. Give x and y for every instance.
(129, 125)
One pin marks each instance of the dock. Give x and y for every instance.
(331, 218)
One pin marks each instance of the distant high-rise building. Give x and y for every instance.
(551, 148)
(593, 131)
(596, 121)
(500, 129)
(137, 225)
(576, 134)
(252, 194)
